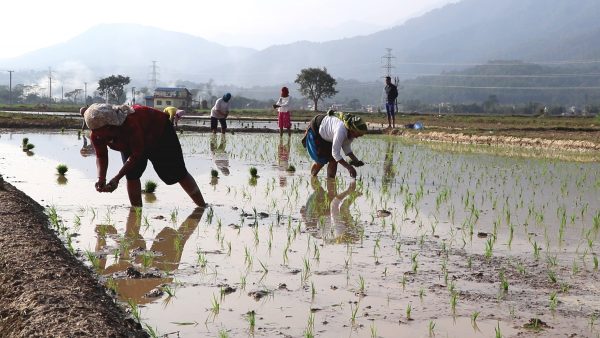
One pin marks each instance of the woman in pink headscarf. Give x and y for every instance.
(284, 119)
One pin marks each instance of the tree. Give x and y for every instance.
(112, 88)
(73, 94)
(316, 84)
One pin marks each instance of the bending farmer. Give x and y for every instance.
(327, 136)
(140, 133)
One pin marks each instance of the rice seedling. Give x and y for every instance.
(503, 282)
(373, 330)
(553, 301)
(453, 301)
(408, 311)
(62, 169)
(168, 290)
(253, 172)
(215, 305)
(94, 260)
(150, 187)
(251, 317)
(431, 328)
(474, 317)
(134, 310)
(111, 285)
(354, 312)
(290, 169)
(497, 331)
(152, 332)
(310, 326)
(223, 333)
(552, 276)
(147, 259)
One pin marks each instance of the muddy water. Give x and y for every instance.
(416, 246)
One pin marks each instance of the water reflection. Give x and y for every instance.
(87, 149)
(219, 153)
(131, 253)
(389, 171)
(283, 160)
(327, 213)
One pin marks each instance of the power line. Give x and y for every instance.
(509, 88)
(503, 76)
(523, 63)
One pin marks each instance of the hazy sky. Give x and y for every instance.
(30, 25)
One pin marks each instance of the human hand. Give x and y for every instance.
(111, 185)
(275, 106)
(352, 172)
(100, 185)
(357, 163)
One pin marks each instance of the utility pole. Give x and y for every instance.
(133, 95)
(50, 84)
(154, 75)
(10, 87)
(85, 94)
(62, 94)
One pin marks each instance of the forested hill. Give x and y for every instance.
(449, 38)
(510, 82)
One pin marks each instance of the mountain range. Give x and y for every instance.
(449, 38)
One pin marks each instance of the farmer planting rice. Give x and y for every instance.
(326, 137)
(140, 133)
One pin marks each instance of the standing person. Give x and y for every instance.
(284, 119)
(140, 133)
(219, 113)
(391, 94)
(327, 135)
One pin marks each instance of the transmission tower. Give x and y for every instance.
(387, 62)
(50, 84)
(154, 75)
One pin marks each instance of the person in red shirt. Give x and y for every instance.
(140, 133)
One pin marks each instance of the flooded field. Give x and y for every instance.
(454, 241)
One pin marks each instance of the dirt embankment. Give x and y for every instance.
(44, 290)
(532, 141)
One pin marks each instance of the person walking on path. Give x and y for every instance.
(219, 113)
(140, 133)
(284, 119)
(327, 135)
(391, 94)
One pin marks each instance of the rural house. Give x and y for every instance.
(175, 97)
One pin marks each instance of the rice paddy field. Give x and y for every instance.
(430, 240)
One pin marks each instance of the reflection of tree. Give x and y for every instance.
(166, 251)
(389, 171)
(283, 160)
(219, 153)
(327, 213)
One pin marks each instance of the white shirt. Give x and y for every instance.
(333, 130)
(283, 104)
(221, 106)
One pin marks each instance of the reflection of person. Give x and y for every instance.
(87, 149)
(283, 116)
(167, 249)
(327, 135)
(219, 113)
(391, 93)
(283, 160)
(389, 171)
(328, 213)
(140, 133)
(220, 154)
